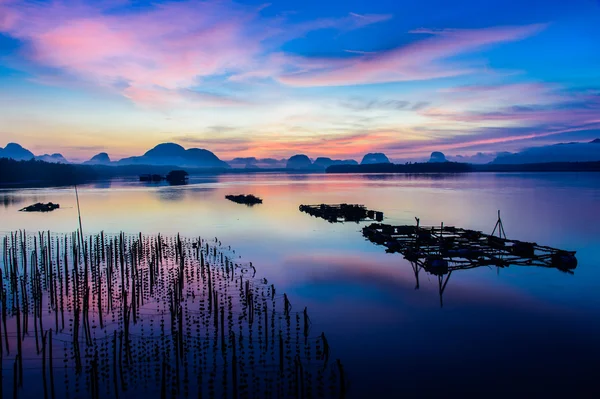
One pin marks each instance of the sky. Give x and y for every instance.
(335, 78)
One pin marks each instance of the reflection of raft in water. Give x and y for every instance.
(446, 248)
(342, 212)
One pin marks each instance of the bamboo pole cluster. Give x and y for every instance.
(126, 315)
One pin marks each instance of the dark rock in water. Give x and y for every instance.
(39, 207)
(374, 158)
(299, 161)
(244, 199)
(437, 157)
(177, 177)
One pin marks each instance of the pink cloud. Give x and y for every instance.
(510, 94)
(520, 117)
(171, 46)
(472, 142)
(423, 59)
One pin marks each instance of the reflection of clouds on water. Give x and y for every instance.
(375, 282)
(299, 177)
(365, 298)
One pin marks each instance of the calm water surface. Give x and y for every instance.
(517, 330)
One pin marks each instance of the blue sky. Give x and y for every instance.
(334, 78)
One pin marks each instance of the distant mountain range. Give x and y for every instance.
(303, 162)
(171, 154)
(17, 152)
(255, 163)
(567, 152)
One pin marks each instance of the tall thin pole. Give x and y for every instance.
(500, 227)
(79, 214)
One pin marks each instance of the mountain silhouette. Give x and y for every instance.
(437, 156)
(175, 155)
(16, 151)
(54, 158)
(257, 163)
(299, 161)
(325, 162)
(565, 152)
(99, 159)
(374, 158)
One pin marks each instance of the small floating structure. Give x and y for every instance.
(342, 212)
(440, 250)
(446, 248)
(245, 199)
(40, 207)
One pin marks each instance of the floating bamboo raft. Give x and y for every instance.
(342, 212)
(441, 249)
(245, 199)
(128, 316)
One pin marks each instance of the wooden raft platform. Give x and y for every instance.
(245, 199)
(442, 249)
(342, 212)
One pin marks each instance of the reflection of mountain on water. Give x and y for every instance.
(414, 176)
(102, 184)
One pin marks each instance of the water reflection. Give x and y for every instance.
(11, 200)
(440, 250)
(103, 184)
(414, 176)
(364, 298)
(135, 315)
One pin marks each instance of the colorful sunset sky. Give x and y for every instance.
(334, 78)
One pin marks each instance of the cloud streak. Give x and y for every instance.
(157, 53)
(422, 59)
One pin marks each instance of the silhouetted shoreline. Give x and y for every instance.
(456, 167)
(44, 174)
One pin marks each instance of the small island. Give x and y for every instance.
(39, 207)
(177, 177)
(244, 199)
